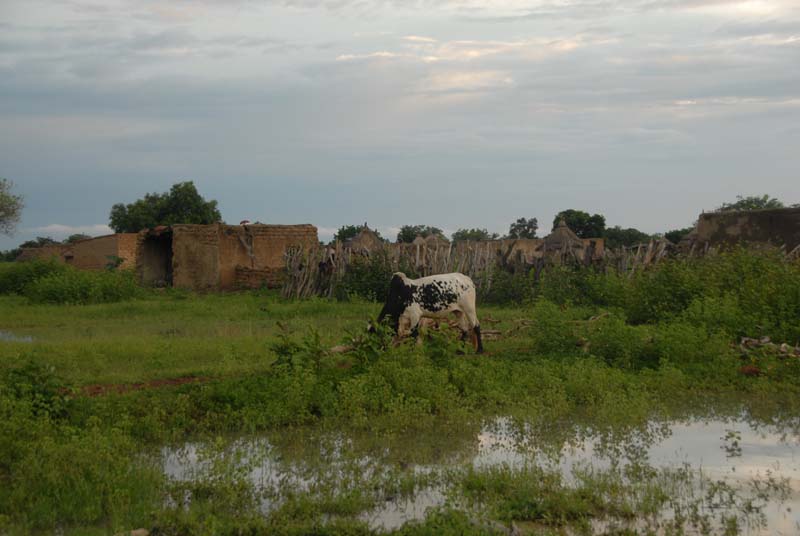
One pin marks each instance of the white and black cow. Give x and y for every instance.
(434, 296)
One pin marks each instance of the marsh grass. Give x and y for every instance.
(610, 351)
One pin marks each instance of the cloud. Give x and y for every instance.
(466, 81)
(326, 233)
(419, 39)
(58, 230)
(288, 111)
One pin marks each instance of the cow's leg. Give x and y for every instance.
(477, 331)
(475, 326)
(463, 324)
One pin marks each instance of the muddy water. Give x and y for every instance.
(8, 336)
(733, 450)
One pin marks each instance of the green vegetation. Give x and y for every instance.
(182, 204)
(618, 237)
(408, 233)
(473, 234)
(582, 223)
(10, 207)
(523, 228)
(753, 202)
(676, 235)
(87, 406)
(50, 281)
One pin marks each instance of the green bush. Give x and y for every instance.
(15, 276)
(619, 344)
(504, 287)
(552, 333)
(367, 277)
(76, 287)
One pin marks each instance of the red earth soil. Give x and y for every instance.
(100, 389)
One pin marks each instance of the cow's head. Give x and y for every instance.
(401, 295)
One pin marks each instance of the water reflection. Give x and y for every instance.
(412, 472)
(8, 336)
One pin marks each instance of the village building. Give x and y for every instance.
(219, 256)
(99, 253)
(365, 242)
(779, 227)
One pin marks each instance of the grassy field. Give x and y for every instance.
(92, 394)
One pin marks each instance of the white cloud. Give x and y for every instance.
(325, 234)
(58, 230)
(466, 81)
(419, 39)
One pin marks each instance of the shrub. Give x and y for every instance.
(14, 277)
(77, 287)
(617, 343)
(367, 277)
(553, 333)
(694, 348)
(663, 292)
(504, 287)
(37, 384)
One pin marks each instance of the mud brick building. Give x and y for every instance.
(777, 227)
(90, 254)
(219, 256)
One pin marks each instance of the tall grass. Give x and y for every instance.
(76, 287)
(53, 282)
(15, 276)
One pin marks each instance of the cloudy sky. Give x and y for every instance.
(455, 113)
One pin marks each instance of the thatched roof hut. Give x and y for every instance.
(561, 237)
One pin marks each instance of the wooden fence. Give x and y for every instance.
(318, 271)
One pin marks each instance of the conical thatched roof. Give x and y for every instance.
(562, 236)
(436, 240)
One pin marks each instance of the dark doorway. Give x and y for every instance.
(156, 260)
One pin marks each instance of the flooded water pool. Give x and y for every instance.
(714, 459)
(8, 336)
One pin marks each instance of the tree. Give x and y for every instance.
(473, 234)
(523, 228)
(752, 202)
(617, 236)
(10, 207)
(182, 204)
(582, 224)
(408, 233)
(346, 232)
(676, 235)
(38, 242)
(10, 255)
(77, 237)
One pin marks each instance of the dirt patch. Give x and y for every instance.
(100, 389)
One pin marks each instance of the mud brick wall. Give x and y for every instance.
(228, 257)
(93, 254)
(261, 249)
(126, 250)
(779, 227)
(46, 252)
(255, 278)
(195, 256)
(90, 254)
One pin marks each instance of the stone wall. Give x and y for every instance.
(778, 227)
